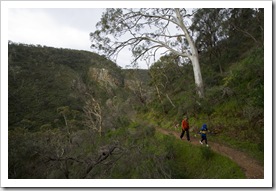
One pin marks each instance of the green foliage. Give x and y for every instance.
(187, 161)
(233, 103)
(141, 153)
(48, 88)
(41, 80)
(207, 153)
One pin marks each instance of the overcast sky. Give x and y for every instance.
(58, 27)
(68, 28)
(64, 27)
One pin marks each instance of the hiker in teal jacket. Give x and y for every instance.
(203, 132)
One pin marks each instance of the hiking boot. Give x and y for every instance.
(200, 142)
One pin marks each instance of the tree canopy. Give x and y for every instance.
(75, 114)
(147, 31)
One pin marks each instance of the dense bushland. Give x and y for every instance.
(76, 114)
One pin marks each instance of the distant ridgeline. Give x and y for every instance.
(42, 79)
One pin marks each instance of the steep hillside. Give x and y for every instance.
(75, 114)
(42, 79)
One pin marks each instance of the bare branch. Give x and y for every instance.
(101, 158)
(136, 23)
(93, 114)
(167, 46)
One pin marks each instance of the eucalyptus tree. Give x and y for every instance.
(209, 28)
(147, 32)
(248, 23)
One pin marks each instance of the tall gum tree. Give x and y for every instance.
(147, 32)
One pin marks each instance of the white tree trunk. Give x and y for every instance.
(197, 76)
(193, 56)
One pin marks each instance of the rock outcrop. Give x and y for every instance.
(104, 77)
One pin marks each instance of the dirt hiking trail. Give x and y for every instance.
(251, 168)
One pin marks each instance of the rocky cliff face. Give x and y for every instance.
(129, 79)
(132, 84)
(105, 77)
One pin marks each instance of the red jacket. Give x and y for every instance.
(185, 124)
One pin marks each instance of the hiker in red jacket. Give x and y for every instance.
(185, 128)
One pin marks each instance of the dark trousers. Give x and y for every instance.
(187, 134)
(204, 137)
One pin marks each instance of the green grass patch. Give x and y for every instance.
(195, 162)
